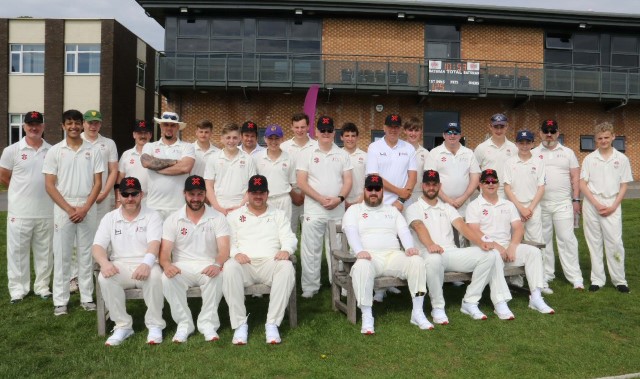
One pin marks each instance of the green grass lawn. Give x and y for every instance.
(591, 335)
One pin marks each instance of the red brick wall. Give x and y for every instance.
(503, 43)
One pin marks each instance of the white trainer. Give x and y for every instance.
(241, 335)
(272, 333)
(503, 312)
(394, 290)
(546, 291)
(155, 336)
(472, 310)
(309, 294)
(118, 336)
(367, 325)
(418, 318)
(439, 316)
(181, 336)
(211, 336)
(539, 305)
(378, 295)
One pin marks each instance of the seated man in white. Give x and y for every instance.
(372, 229)
(195, 246)
(432, 221)
(133, 232)
(261, 243)
(499, 222)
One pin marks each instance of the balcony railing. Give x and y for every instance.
(388, 74)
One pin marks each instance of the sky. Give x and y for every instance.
(132, 16)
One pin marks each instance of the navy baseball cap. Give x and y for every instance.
(33, 117)
(141, 126)
(453, 126)
(499, 119)
(373, 180)
(129, 183)
(249, 127)
(325, 123)
(524, 135)
(393, 119)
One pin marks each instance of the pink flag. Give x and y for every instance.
(310, 108)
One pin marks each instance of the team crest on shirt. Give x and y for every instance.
(364, 215)
(616, 164)
(509, 152)
(533, 170)
(485, 212)
(102, 146)
(443, 159)
(316, 160)
(141, 229)
(117, 232)
(243, 218)
(87, 155)
(183, 231)
(284, 165)
(383, 154)
(361, 160)
(401, 153)
(132, 161)
(24, 157)
(157, 151)
(541, 156)
(426, 215)
(13, 219)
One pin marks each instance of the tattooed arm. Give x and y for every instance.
(156, 164)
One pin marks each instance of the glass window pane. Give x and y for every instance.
(305, 47)
(16, 119)
(226, 28)
(194, 28)
(308, 29)
(271, 46)
(620, 60)
(33, 63)
(15, 62)
(588, 42)
(620, 44)
(88, 47)
(437, 50)
(16, 47)
(33, 48)
(272, 28)
(71, 63)
(454, 50)
(443, 32)
(193, 44)
(88, 63)
(227, 45)
(557, 56)
(592, 59)
(558, 41)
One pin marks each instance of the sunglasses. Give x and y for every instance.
(127, 194)
(490, 181)
(374, 188)
(325, 130)
(453, 132)
(169, 117)
(549, 130)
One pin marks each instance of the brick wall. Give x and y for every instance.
(54, 79)
(4, 83)
(504, 43)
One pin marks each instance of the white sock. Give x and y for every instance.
(418, 303)
(535, 293)
(366, 310)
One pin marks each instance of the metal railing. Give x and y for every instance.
(390, 74)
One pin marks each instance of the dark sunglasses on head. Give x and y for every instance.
(490, 181)
(549, 130)
(453, 132)
(374, 188)
(127, 194)
(325, 130)
(170, 117)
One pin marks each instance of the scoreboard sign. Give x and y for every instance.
(458, 77)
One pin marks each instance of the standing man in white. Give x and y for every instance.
(324, 175)
(169, 161)
(73, 178)
(298, 144)
(413, 134)
(249, 136)
(560, 203)
(130, 164)
(494, 152)
(203, 146)
(349, 137)
(30, 211)
(107, 148)
(261, 244)
(134, 232)
(195, 247)
(373, 229)
(603, 180)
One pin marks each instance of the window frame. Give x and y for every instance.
(76, 53)
(141, 69)
(21, 53)
(15, 125)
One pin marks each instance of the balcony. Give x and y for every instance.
(400, 75)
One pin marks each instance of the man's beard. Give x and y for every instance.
(430, 197)
(197, 207)
(378, 201)
(546, 143)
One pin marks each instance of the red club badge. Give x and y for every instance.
(130, 183)
(394, 117)
(24, 157)
(257, 181)
(196, 182)
(132, 161)
(325, 120)
(485, 212)
(243, 218)
(443, 159)
(183, 231)
(364, 215)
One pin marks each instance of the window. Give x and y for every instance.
(15, 127)
(27, 59)
(442, 41)
(587, 143)
(337, 138)
(619, 143)
(141, 71)
(82, 59)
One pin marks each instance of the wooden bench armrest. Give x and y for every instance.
(343, 256)
(539, 245)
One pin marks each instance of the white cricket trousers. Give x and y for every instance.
(296, 215)
(469, 259)
(105, 207)
(277, 274)
(533, 226)
(65, 234)
(390, 263)
(314, 232)
(559, 216)
(175, 290)
(283, 202)
(604, 232)
(23, 236)
(526, 255)
(112, 289)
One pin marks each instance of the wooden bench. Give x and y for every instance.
(136, 293)
(342, 280)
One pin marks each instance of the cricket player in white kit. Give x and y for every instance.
(560, 202)
(30, 211)
(169, 161)
(372, 229)
(278, 167)
(324, 175)
(261, 244)
(499, 222)
(349, 137)
(603, 181)
(296, 146)
(134, 232)
(195, 246)
(494, 152)
(130, 164)
(107, 148)
(203, 146)
(431, 220)
(413, 134)
(73, 178)
(249, 136)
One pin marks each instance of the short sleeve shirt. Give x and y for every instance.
(165, 191)
(130, 166)
(558, 163)
(107, 148)
(437, 219)
(129, 239)
(27, 197)
(490, 155)
(604, 176)
(230, 176)
(295, 151)
(201, 158)
(195, 242)
(377, 226)
(359, 163)
(421, 156)
(392, 163)
(280, 173)
(524, 177)
(494, 219)
(454, 169)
